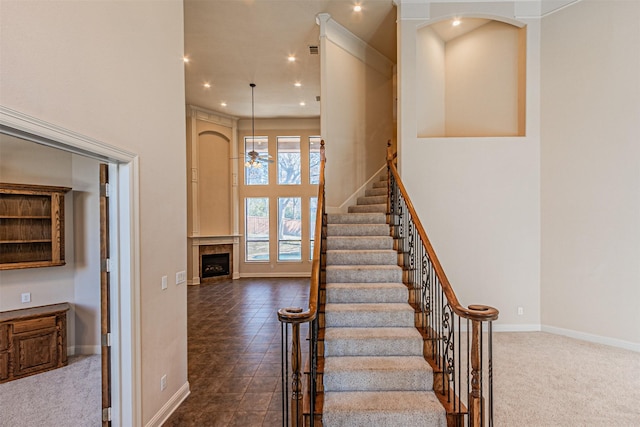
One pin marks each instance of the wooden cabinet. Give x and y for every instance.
(31, 226)
(32, 340)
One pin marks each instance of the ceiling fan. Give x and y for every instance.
(254, 159)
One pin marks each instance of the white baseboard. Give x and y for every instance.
(270, 275)
(530, 327)
(598, 339)
(172, 404)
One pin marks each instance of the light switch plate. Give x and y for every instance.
(164, 282)
(181, 277)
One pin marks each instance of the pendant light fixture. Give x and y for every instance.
(253, 160)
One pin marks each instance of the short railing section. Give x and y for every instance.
(301, 396)
(457, 339)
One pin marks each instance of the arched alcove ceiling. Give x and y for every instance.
(214, 133)
(447, 32)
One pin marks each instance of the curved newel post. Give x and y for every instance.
(295, 400)
(476, 401)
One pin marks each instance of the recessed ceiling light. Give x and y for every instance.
(297, 84)
(292, 58)
(223, 104)
(207, 85)
(455, 22)
(302, 104)
(186, 59)
(357, 8)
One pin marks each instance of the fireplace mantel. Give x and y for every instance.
(197, 241)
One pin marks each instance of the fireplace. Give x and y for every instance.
(214, 265)
(216, 262)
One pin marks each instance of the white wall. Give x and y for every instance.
(357, 111)
(430, 64)
(478, 198)
(86, 259)
(591, 170)
(113, 71)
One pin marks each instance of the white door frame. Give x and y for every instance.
(124, 237)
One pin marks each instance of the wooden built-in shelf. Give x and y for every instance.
(31, 226)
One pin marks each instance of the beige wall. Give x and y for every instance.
(113, 71)
(482, 82)
(472, 85)
(357, 112)
(590, 280)
(478, 198)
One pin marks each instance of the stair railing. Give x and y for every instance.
(293, 317)
(454, 342)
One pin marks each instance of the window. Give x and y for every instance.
(289, 160)
(257, 228)
(313, 207)
(258, 172)
(314, 159)
(289, 229)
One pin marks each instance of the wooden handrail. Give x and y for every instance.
(481, 313)
(292, 314)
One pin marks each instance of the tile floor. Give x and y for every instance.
(234, 352)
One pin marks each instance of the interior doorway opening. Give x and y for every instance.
(123, 286)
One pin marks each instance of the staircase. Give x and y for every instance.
(374, 371)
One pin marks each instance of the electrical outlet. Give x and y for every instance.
(164, 282)
(26, 297)
(181, 277)
(520, 311)
(163, 382)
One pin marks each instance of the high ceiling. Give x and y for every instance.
(231, 43)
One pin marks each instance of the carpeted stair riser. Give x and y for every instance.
(359, 242)
(392, 373)
(381, 191)
(380, 184)
(368, 208)
(359, 218)
(372, 342)
(357, 230)
(366, 293)
(368, 315)
(363, 273)
(362, 257)
(372, 200)
(383, 409)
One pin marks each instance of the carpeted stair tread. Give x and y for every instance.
(357, 230)
(366, 292)
(368, 208)
(357, 218)
(369, 315)
(363, 273)
(359, 242)
(380, 184)
(382, 409)
(384, 341)
(382, 373)
(362, 257)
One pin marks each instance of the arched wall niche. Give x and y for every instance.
(471, 78)
(214, 179)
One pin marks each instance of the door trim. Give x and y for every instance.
(125, 246)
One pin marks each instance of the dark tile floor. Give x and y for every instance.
(234, 352)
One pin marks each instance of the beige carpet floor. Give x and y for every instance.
(549, 380)
(541, 380)
(64, 397)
